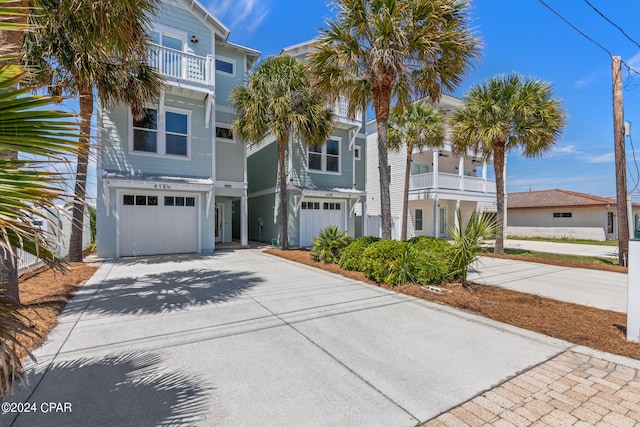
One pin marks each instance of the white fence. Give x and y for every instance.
(27, 262)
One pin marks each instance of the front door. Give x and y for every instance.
(219, 222)
(442, 228)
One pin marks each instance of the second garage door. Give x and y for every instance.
(316, 215)
(153, 223)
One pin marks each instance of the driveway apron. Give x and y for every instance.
(244, 338)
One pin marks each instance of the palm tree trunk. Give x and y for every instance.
(80, 191)
(498, 165)
(284, 199)
(383, 169)
(405, 197)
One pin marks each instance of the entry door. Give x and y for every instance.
(219, 222)
(442, 229)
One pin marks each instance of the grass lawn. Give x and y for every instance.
(578, 241)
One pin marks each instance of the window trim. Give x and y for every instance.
(225, 126)
(323, 158)
(416, 219)
(231, 61)
(161, 134)
(359, 150)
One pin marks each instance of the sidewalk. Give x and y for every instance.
(563, 248)
(601, 289)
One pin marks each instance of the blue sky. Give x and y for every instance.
(521, 36)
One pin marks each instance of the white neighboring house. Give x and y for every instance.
(564, 214)
(441, 182)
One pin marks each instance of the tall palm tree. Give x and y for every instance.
(376, 51)
(503, 114)
(419, 126)
(27, 190)
(92, 49)
(279, 100)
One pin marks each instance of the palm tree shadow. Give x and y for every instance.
(161, 292)
(126, 389)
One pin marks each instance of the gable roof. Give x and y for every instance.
(556, 198)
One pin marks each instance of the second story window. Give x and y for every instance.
(145, 132)
(164, 135)
(225, 66)
(325, 158)
(177, 133)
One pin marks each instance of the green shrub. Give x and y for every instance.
(387, 261)
(328, 244)
(351, 256)
(468, 242)
(431, 258)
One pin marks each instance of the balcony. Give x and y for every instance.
(340, 111)
(450, 181)
(186, 67)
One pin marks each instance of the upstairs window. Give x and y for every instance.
(166, 134)
(225, 66)
(177, 133)
(224, 132)
(325, 158)
(145, 132)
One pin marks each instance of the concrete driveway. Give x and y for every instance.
(244, 339)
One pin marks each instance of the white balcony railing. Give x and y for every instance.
(341, 109)
(452, 181)
(182, 65)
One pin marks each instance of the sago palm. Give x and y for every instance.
(467, 242)
(278, 100)
(506, 113)
(374, 52)
(419, 126)
(84, 47)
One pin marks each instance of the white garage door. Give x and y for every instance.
(152, 223)
(316, 215)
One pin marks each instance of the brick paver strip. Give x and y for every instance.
(579, 387)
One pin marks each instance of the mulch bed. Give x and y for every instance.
(592, 327)
(45, 292)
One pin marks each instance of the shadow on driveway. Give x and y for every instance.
(127, 389)
(162, 292)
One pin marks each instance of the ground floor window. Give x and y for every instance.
(562, 214)
(418, 220)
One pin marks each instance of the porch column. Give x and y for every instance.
(436, 157)
(244, 221)
(457, 217)
(365, 222)
(484, 175)
(436, 217)
(461, 172)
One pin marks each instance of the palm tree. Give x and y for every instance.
(88, 48)
(27, 190)
(279, 100)
(419, 126)
(506, 113)
(383, 50)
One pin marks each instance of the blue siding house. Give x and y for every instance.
(176, 180)
(326, 184)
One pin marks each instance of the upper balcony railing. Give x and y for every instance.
(182, 65)
(451, 181)
(341, 109)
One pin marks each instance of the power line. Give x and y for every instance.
(575, 28)
(612, 23)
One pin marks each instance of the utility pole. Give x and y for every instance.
(621, 169)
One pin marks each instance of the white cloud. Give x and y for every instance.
(634, 62)
(564, 149)
(602, 158)
(242, 17)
